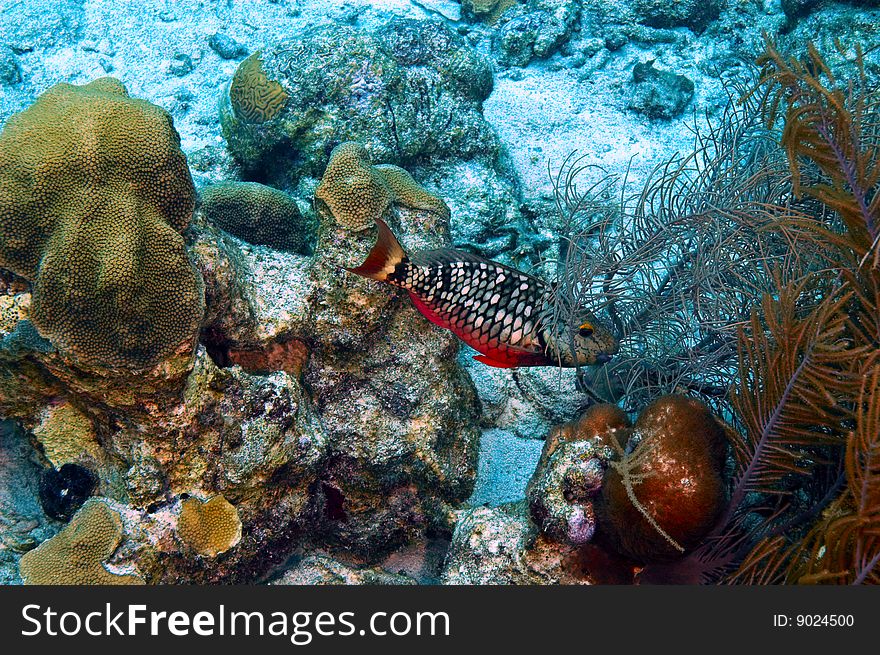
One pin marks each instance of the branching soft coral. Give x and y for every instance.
(820, 395)
(834, 129)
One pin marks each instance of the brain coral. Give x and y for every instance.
(210, 527)
(257, 214)
(253, 96)
(356, 193)
(94, 192)
(77, 553)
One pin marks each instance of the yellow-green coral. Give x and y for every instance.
(487, 11)
(94, 191)
(409, 193)
(76, 555)
(254, 97)
(256, 213)
(211, 527)
(356, 193)
(66, 435)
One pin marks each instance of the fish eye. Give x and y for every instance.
(585, 330)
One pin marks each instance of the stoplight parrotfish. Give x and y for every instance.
(499, 311)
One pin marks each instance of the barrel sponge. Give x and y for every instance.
(356, 193)
(209, 527)
(254, 97)
(257, 214)
(94, 193)
(76, 555)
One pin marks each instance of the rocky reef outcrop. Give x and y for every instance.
(318, 407)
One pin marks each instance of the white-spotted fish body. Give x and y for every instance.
(497, 310)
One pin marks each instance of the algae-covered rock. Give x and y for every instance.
(408, 91)
(23, 523)
(695, 14)
(658, 93)
(501, 546)
(565, 486)
(324, 570)
(537, 31)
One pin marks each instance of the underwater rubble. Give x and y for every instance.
(194, 389)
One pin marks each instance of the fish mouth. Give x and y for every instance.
(604, 358)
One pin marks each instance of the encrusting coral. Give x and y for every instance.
(356, 193)
(209, 527)
(94, 192)
(257, 214)
(76, 555)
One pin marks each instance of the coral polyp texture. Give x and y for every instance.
(662, 498)
(78, 554)
(209, 527)
(257, 214)
(254, 97)
(356, 193)
(94, 192)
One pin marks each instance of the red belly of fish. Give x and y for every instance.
(495, 353)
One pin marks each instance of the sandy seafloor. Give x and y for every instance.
(541, 112)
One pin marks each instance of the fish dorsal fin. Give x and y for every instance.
(384, 257)
(449, 255)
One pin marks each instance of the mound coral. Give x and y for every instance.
(356, 193)
(257, 214)
(76, 555)
(666, 495)
(94, 192)
(209, 527)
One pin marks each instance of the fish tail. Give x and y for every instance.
(385, 256)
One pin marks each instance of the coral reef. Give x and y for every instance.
(95, 193)
(301, 425)
(258, 214)
(77, 554)
(408, 91)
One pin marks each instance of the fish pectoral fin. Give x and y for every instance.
(488, 361)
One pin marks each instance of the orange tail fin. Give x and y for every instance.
(383, 258)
